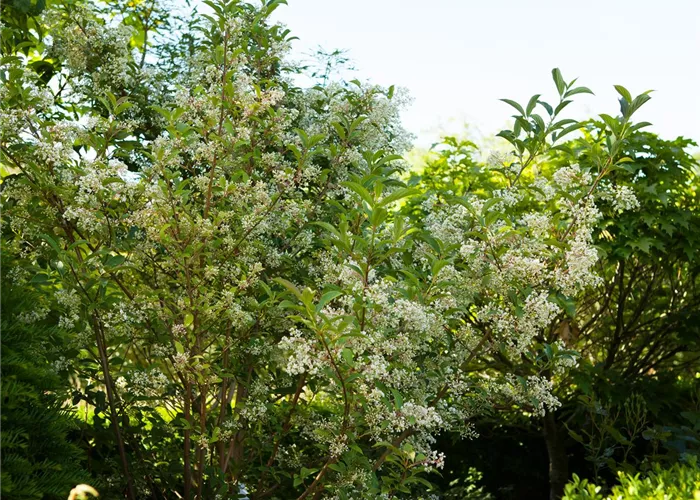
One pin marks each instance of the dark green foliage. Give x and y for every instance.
(664, 178)
(17, 21)
(40, 457)
(507, 461)
(27, 7)
(639, 329)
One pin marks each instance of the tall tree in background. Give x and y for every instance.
(636, 330)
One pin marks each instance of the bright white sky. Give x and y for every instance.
(458, 57)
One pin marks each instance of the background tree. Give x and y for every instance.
(636, 329)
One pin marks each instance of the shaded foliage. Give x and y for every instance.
(43, 449)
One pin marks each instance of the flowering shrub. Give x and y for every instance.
(258, 301)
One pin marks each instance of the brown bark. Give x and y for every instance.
(558, 460)
(111, 399)
(188, 442)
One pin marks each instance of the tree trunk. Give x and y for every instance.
(558, 460)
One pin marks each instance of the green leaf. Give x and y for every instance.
(307, 472)
(398, 398)
(386, 159)
(643, 244)
(289, 286)
(348, 355)
(360, 190)
(288, 304)
(179, 348)
(40, 278)
(122, 107)
(562, 105)
(112, 180)
(624, 93)
(419, 480)
(546, 106)
(356, 123)
(188, 320)
(307, 297)
(398, 195)
(617, 436)
(326, 298)
(531, 104)
(51, 242)
(328, 227)
(115, 260)
(437, 266)
(579, 90)
(576, 436)
(538, 119)
(379, 215)
(610, 122)
(639, 125)
(638, 102)
(562, 123)
(559, 81)
(515, 105)
(489, 203)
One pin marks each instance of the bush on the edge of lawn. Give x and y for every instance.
(682, 480)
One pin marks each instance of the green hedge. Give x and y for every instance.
(677, 482)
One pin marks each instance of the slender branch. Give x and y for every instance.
(212, 171)
(109, 385)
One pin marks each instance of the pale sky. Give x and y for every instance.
(457, 58)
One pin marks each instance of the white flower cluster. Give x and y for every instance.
(301, 353)
(571, 176)
(622, 197)
(95, 184)
(499, 159)
(539, 224)
(37, 99)
(151, 383)
(563, 362)
(580, 257)
(533, 392)
(423, 417)
(435, 461)
(98, 51)
(35, 315)
(70, 301)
